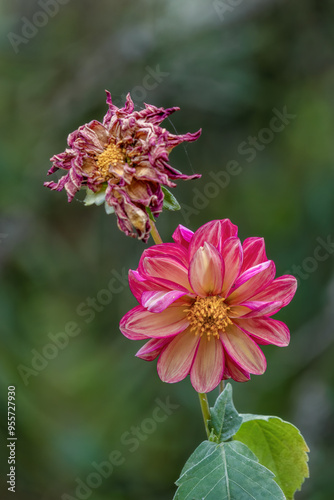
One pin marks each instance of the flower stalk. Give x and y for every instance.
(203, 399)
(155, 234)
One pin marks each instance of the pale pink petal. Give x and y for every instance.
(266, 330)
(166, 250)
(261, 308)
(182, 235)
(254, 253)
(177, 357)
(232, 256)
(140, 323)
(243, 350)
(234, 371)
(152, 348)
(207, 370)
(158, 301)
(206, 272)
(281, 289)
(140, 285)
(252, 309)
(237, 311)
(214, 232)
(251, 282)
(168, 268)
(127, 320)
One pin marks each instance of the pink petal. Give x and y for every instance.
(266, 330)
(243, 350)
(206, 271)
(158, 301)
(232, 256)
(237, 311)
(152, 348)
(235, 372)
(182, 235)
(129, 104)
(281, 289)
(252, 309)
(127, 319)
(254, 253)
(168, 268)
(214, 232)
(252, 281)
(176, 359)
(261, 308)
(140, 285)
(207, 370)
(140, 323)
(166, 250)
(92, 136)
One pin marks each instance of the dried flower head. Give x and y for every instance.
(205, 304)
(123, 162)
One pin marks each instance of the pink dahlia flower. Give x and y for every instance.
(124, 160)
(205, 304)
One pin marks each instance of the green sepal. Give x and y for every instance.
(109, 210)
(94, 198)
(170, 202)
(98, 199)
(151, 216)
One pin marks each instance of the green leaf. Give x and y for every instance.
(225, 420)
(204, 449)
(226, 471)
(280, 447)
(170, 202)
(95, 198)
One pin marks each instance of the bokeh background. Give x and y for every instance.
(228, 65)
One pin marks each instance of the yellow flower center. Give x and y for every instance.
(110, 158)
(208, 315)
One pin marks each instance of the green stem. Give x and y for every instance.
(203, 399)
(221, 386)
(154, 233)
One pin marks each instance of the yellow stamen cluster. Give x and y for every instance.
(109, 158)
(208, 315)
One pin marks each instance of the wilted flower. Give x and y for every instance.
(205, 303)
(124, 162)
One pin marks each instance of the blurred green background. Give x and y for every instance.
(228, 65)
